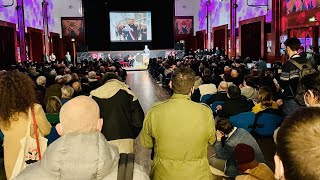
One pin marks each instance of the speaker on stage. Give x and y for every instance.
(179, 46)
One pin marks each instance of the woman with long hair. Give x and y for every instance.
(53, 109)
(52, 113)
(17, 96)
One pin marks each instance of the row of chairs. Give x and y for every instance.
(262, 124)
(205, 98)
(124, 64)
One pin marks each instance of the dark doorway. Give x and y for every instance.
(219, 38)
(7, 47)
(55, 44)
(201, 39)
(251, 40)
(36, 44)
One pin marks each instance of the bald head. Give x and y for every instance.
(227, 70)
(223, 86)
(234, 73)
(79, 115)
(77, 86)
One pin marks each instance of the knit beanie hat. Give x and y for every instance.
(244, 153)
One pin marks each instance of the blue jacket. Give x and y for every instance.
(227, 151)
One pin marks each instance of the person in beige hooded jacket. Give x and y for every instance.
(82, 152)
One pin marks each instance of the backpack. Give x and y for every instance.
(125, 168)
(305, 69)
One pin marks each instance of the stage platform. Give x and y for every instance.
(138, 56)
(91, 55)
(135, 68)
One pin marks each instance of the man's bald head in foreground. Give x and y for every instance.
(79, 115)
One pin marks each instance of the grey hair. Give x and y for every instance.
(41, 81)
(67, 91)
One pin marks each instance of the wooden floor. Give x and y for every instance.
(146, 88)
(148, 92)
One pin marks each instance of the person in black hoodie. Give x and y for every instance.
(121, 111)
(94, 83)
(41, 90)
(86, 89)
(235, 104)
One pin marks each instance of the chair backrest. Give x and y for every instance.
(1, 136)
(53, 118)
(1, 149)
(215, 104)
(267, 123)
(205, 98)
(243, 120)
(53, 136)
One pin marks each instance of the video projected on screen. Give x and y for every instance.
(301, 5)
(130, 26)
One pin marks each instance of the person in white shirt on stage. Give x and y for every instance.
(146, 50)
(52, 57)
(68, 58)
(146, 54)
(109, 59)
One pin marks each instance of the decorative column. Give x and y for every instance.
(209, 27)
(233, 23)
(74, 50)
(46, 42)
(22, 26)
(275, 25)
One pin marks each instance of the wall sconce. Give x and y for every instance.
(313, 19)
(235, 6)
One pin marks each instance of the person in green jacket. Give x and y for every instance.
(179, 130)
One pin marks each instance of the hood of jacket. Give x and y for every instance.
(207, 89)
(86, 156)
(249, 92)
(110, 88)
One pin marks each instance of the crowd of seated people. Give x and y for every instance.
(279, 89)
(52, 85)
(98, 115)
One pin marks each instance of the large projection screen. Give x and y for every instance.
(130, 27)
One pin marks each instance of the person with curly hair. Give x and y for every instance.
(17, 96)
